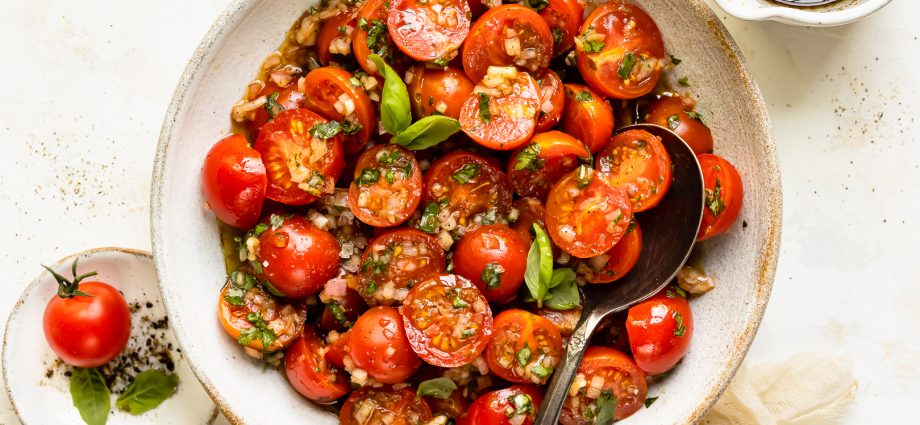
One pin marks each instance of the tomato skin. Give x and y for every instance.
(693, 131)
(324, 86)
(587, 116)
(289, 132)
(371, 202)
(377, 331)
(432, 87)
(660, 330)
(298, 257)
(564, 17)
(530, 211)
(288, 318)
(637, 162)
(488, 191)
(623, 257)
(288, 98)
(308, 372)
(490, 408)
(484, 46)
(724, 195)
(621, 376)
(498, 245)
(352, 306)
(330, 31)
(626, 29)
(513, 115)
(565, 320)
(88, 331)
(399, 407)
(420, 31)
(234, 182)
(403, 269)
(512, 330)
(550, 91)
(372, 11)
(558, 154)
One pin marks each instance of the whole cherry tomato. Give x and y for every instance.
(553, 97)
(234, 182)
(517, 404)
(660, 329)
(309, 373)
(587, 117)
(438, 91)
(607, 380)
(494, 258)
(379, 346)
(637, 162)
(297, 257)
(724, 195)
(385, 405)
(672, 112)
(525, 347)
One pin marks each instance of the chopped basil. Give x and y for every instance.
(467, 332)
(695, 116)
(557, 35)
(429, 220)
(337, 311)
(714, 202)
(685, 81)
(276, 221)
(149, 389)
(442, 62)
(376, 39)
(523, 355)
(540, 371)
(523, 404)
(591, 46)
(606, 408)
(325, 130)
(583, 176)
(368, 176)
(492, 275)
(583, 96)
(527, 158)
(467, 172)
(457, 301)
(440, 388)
(626, 66)
(538, 5)
(675, 60)
(259, 331)
(389, 158)
(362, 23)
(674, 122)
(355, 82)
(649, 401)
(272, 106)
(680, 329)
(371, 288)
(234, 296)
(485, 115)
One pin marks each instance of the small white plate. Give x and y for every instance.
(838, 13)
(35, 377)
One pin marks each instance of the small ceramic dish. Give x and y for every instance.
(36, 379)
(836, 13)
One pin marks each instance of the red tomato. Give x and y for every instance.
(453, 406)
(502, 117)
(438, 91)
(623, 383)
(331, 30)
(325, 88)
(525, 347)
(372, 37)
(553, 101)
(427, 31)
(585, 216)
(614, 264)
(469, 189)
(724, 195)
(587, 116)
(258, 320)
(396, 261)
(494, 258)
(297, 257)
(540, 163)
(308, 372)
(277, 99)
(673, 113)
(234, 182)
(300, 167)
(88, 323)
(530, 211)
(377, 406)
(340, 313)
(509, 35)
(380, 347)
(637, 162)
(517, 404)
(387, 187)
(564, 320)
(447, 319)
(620, 52)
(660, 330)
(563, 17)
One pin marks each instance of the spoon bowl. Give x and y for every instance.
(668, 234)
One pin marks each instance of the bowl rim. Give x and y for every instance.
(766, 266)
(748, 11)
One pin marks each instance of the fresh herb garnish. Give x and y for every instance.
(539, 271)
(563, 291)
(485, 115)
(523, 404)
(583, 176)
(149, 389)
(626, 66)
(367, 177)
(591, 46)
(714, 202)
(427, 132)
(538, 5)
(557, 35)
(272, 106)
(467, 172)
(337, 311)
(90, 395)
(680, 329)
(442, 62)
(649, 401)
(695, 116)
(583, 96)
(429, 221)
(376, 37)
(440, 388)
(673, 122)
(685, 81)
(395, 114)
(606, 408)
(259, 331)
(523, 355)
(492, 275)
(540, 371)
(528, 158)
(675, 60)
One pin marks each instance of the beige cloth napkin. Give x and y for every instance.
(808, 389)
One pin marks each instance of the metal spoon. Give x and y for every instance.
(668, 234)
(804, 3)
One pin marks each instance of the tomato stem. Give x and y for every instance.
(68, 288)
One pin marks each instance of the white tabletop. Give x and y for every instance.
(84, 86)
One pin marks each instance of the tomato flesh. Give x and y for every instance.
(537, 165)
(520, 402)
(297, 257)
(387, 187)
(587, 117)
(396, 261)
(310, 374)
(469, 189)
(88, 331)
(564, 17)
(637, 162)
(494, 258)
(285, 320)
(501, 36)
(379, 406)
(427, 30)
(502, 117)
(325, 89)
(234, 182)
(525, 347)
(660, 330)
(724, 195)
(623, 383)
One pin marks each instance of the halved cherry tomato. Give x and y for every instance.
(372, 37)
(438, 91)
(428, 30)
(379, 346)
(325, 88)
(387, 187)
(587, 116)
(525, 347)
(724, 195)
(564, 17)
(277, 99)
(623, 384)
(614, 264)
(469, 189)
(234, 182)
(660, 330)
(517, 404)
(447, 319)
(673, 113)
(300, 167)
(620, 52)
(509, 35)
(553, 100)
(338, 29)
(309, 373)
(396, 261)
(297, 258)
(537, 165)
(377, 406)
(340, 313)
(505, 116)
(564, 320)
(530, 211)
(254, 317)
(585, 216)
(637, 162)
(494, 258)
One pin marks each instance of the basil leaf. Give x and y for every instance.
(149, 389)
(560, 276)
(90, 395)
(649, 401)
(440, 388)
(395, 114)
(606, 408)
(565, 295)
(427, 132)
(626, 66)
(539, 271)
(429, 220)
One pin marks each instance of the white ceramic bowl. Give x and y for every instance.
(838, 13)
(190, 264)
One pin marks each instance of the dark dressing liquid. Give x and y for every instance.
(804, 3)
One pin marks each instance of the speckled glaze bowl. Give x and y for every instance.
(191, 269)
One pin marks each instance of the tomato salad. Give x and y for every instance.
(416, 191)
